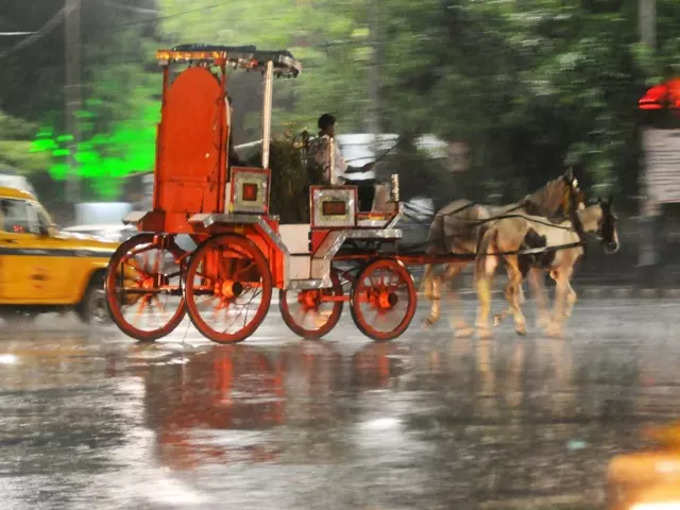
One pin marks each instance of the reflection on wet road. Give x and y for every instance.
(427, 421)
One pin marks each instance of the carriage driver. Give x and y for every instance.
(335, 169)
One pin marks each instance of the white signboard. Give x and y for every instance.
(662, 165)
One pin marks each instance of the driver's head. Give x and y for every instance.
(327, 124)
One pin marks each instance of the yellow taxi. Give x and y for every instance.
(44, 269)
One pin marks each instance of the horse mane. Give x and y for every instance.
(546, 201)
(576, 222)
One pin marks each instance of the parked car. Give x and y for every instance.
(45, 269)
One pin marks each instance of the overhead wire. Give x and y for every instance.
(48, 27)
(115, 28)
(132, 8)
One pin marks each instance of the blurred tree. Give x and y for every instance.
(332, 39)
(15, 143)
(117, 122)
(530, 87)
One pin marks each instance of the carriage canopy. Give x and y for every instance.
(242, 57)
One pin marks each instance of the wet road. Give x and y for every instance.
(91, 419)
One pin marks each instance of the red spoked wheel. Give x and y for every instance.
(228, 288)
(383, 299)
(144, 286)
(311, 313)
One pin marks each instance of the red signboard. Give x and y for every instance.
(665, 95)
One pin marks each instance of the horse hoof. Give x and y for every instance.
(464, 332)
(521, 330)
(542, 323)
(497, 320)
(428, 322)
(553, 331)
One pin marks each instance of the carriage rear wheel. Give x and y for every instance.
(228, 288)
(311, 313)
(144, 286)
(383, 299)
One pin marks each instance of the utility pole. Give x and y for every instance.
(649, 209)
(374, 76)
(72, 93)
(647, 22)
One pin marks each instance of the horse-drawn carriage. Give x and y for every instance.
(211, 248)
(225, 284)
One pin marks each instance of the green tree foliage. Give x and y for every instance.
(531, 86)
(119, 110)
(15, 143)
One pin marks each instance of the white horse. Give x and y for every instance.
(524, 242)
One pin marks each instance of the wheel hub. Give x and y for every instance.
(309, 299)
(229, 289)
(387, 299)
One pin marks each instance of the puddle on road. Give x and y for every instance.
(427, 421)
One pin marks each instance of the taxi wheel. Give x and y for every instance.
(92, 309)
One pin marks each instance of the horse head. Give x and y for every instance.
(607, 228)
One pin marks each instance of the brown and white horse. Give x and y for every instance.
(524, 242)
(456, 229)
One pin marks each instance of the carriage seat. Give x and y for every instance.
(382, 210)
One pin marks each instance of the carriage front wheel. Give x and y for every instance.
(383, 299)
(311, 313)
(144, 286)
(228, 288)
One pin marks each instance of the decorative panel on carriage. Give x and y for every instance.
(248, 191)
(333, 206)
(192, 135)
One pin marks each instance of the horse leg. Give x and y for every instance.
(434, 284)
(458, 321)
(557, 320)
(513, 293)
(509, 290)
(484, 270)
(499, 317)
(571, 295)
(538, 291)
(427, 281)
